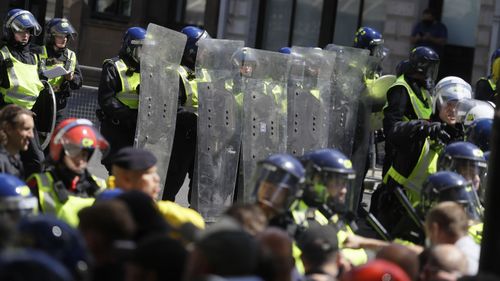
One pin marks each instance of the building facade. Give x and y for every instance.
(473, 25)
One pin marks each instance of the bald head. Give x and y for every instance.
(448, 259)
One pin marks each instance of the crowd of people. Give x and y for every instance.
(59, 221)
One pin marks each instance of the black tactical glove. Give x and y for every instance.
(436, 132)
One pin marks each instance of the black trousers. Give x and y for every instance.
(183, 155)
(117, 136)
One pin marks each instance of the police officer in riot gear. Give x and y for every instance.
(66, 185)
(118, 93)
(467, 160)
(486, 87)
(370, 39)
(409, 98)
(19, 74)
(16, 200)
(59, 33)
(329, 179)
(449, 186)
(417, 144)
(277, 182)
(479, 133)
(184, 145)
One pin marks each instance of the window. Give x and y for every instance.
(112, 9)
(346, 22)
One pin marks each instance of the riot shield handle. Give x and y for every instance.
(46, 141)
(408, 207)
(376, 225)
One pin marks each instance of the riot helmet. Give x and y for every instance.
(194, 34)
(450, 186)
(465, 159)
(370, 39)
(402, 67)
(132, 42)
(277, 181)
(16, 200)
(59, 27)
(285, 50)
(31, 265)
(448, 92)
(76, 138)
(469, 110)
(59, 240)
(18, 20)
(425, 62)
(479, 133)
(329, 174)
(245, 60)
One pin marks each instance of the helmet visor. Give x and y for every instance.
(84, 140)
(64, 28)
(467, 197)
(275, 187)
(471, 170)
(25, 22)
(15, 208)
(338, 185)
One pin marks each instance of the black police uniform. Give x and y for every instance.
(118, 121)
(183, 149)
(32, 158)
(408, 138)
(484, 90)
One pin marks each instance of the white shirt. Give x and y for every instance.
(471, 250)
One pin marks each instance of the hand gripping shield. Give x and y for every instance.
(264, 113)
(160, 58)
(348, 84)
(309, 97)
(219, 128)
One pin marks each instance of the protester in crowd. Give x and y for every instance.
(447, 223)
(108, 229)
(16, 131)
(276, 249)
(445, 262)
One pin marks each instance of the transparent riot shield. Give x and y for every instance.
(264, 112)
(351, 108)
(219, 129)
(347, 86)
(377, 91)
(362, 133)
(309, 97)
(160, 57)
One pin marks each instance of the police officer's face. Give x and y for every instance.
(77, 161)
(246, 70)
(22, 36)
(337, 188)
(60, 40)
(148, 181)
(470, 173)
(271, 198)
(20, 133)
(448, 112)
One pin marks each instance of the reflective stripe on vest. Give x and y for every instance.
(421, 109)
(128, 95)
(70, 65)
(50, 204)
(24, 84)
(426, 165)
(191, 88)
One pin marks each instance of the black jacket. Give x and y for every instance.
(484, 90)
(11, 164)
(409, 137)
(398, 106)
